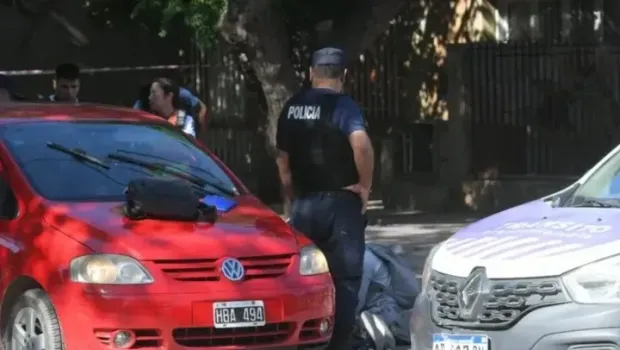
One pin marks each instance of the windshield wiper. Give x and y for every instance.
(78, 154)
(597, 203)
(176, 164)
(174, 171)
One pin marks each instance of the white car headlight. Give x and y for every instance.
(428, 268)
(108, 269)
(595, 283)
(312, 261)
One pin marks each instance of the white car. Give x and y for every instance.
(544, 275)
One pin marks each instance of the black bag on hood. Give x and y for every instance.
(164, 199)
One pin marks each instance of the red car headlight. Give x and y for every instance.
(312, 261)
(108, 269)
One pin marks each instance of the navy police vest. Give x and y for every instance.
(320, 155)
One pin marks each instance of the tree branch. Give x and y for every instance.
(370, 17)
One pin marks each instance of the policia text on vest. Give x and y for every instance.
(304, 112)
(321, 156)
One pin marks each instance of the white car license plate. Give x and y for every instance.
(460, 342)
(235, 314)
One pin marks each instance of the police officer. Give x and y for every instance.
(325, 160)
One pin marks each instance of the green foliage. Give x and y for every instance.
(199, 16)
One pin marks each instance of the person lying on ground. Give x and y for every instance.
(389, 289)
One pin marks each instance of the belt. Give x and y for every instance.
(340, 193)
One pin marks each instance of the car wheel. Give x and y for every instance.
(33, 324)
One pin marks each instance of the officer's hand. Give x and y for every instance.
(363, 192)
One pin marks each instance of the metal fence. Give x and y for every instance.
(541, 109)
(377, 82)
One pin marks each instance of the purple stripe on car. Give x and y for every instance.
(517, 228)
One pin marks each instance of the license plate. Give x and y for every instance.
(235, 314)
(460, 342)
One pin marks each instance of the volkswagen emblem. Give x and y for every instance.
(470, 296)
(233, 269)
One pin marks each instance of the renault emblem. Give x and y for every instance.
(233, 269)
(471, 293)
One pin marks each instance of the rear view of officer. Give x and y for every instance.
(326, 160)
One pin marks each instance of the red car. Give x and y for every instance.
(77, 274)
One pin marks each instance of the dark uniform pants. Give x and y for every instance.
(335, 223)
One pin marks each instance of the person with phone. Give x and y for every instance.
(190, 103)
(164, 101)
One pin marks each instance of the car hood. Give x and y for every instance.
(532, 240)
(250, 229)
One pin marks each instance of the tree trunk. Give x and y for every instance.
(278, 83)
(258, 28)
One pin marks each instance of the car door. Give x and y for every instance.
(10, 247)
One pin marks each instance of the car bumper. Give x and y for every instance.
(560, 327)
(167, 321)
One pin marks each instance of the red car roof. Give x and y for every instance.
(18, 112)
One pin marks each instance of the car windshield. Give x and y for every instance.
(94, 161)
(602, 188)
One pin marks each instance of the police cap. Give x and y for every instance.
(328, 56)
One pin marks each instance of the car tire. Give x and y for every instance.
(34, 316)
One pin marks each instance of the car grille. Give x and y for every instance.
(507, 301)
(268, 335)
(207, 270)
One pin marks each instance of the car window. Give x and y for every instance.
(61, 177)
(604, 182)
